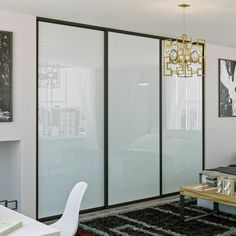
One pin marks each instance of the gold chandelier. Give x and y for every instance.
(183, 56)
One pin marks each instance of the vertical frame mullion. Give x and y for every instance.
(203, 108)
(106, 125)
(160, 115)
(37, 153)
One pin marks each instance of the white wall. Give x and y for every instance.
(24, 102)
(220, 135)
(220, 132)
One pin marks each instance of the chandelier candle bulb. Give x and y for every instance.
(183, 56)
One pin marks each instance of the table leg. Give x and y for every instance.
(216, 210)
(216, 207)
(182, 207)
(200, 178)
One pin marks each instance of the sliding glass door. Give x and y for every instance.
(70, 116)
(133, 118)
(182, 132)
(102, 117)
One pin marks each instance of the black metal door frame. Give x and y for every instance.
(106, 124)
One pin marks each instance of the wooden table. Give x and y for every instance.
(30, 226)
(205, 192)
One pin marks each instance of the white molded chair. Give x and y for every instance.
(68, 223)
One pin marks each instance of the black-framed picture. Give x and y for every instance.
(227, 88)
(5, 76)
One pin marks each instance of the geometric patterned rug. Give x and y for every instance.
(160, 220)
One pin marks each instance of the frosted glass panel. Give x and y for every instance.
(71, 119)
(133, 118)
(182, 132)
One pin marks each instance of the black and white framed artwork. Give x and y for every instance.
(5, 76)
(227, 88)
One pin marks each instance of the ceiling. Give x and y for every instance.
(213, 20)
